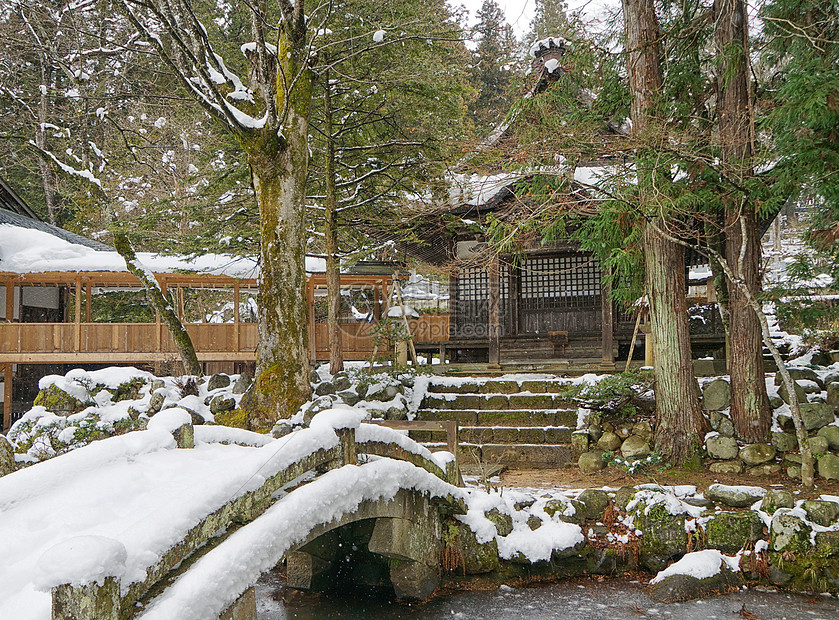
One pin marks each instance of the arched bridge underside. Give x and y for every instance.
(382, 543)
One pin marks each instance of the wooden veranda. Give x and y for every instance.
(80, 340)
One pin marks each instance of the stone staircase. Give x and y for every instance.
(520, 423)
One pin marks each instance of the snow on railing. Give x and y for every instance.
(335, 438)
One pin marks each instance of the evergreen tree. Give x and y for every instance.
(495, 68)
(550, 19)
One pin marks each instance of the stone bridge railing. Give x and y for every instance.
(105, 599)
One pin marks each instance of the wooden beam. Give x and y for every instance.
(494, 315)
(77, 329)
(113, 357)
(607, 323)
(8, 392)
(10, 301)
(236, 300)
(87, 303)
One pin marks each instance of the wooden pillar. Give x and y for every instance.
(310, 303)
(493, 318)
(7, 397)
(77, 331)
(607, 323)
(179, 296)
(513, 300)
(10, 301)
(87, 302)
(377, 300)
(236, 298)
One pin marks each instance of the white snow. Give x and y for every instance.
(217, 579)
(23, 250)
(699, 564)
(538, 545)
(136, 489)
(80, 561)
(379, 36)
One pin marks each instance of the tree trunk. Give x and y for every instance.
(278, 170)
(330, 231)
(44, 166)
(679, 418)
(161, 305)
(750, 410)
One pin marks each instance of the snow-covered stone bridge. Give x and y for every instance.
(132, 526)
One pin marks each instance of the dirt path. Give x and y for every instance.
(615, 477)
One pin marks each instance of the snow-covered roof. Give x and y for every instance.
(21, 221)
(25, 248)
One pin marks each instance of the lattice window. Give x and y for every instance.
(472, 284)
(564, 280)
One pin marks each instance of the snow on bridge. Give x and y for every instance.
(117, 507)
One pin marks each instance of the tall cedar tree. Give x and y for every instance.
(750, 411)
(679, 416)
(494, 66)
(550, 19)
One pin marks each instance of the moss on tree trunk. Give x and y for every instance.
(279, 165)
(161, 305)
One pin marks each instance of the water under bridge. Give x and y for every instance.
(132, 526)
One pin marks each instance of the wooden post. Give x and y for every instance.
(10, 301)
(493, 319)
(513, 301)
(77, 331)
(180, 300)
(236, 299)
(87, 302)
(310, 302)
(377, 301)
(607, 324)
(7, 397)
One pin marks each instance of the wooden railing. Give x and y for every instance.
(357, 338)
(139, 342)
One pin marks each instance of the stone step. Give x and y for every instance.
(523, 400)
(503, 417)
(499, 386)
(503, 435)
(513, 456)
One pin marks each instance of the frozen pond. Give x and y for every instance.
(570, 600)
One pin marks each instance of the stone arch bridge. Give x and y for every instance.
(357, 503)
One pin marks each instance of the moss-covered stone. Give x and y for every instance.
(821, 512)
(789, 533)
(664, 536)
(478, 558)
(731, 531)
(54, 399)
(776, 498)
(237, 418)
(503, 522)
(594, 503)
